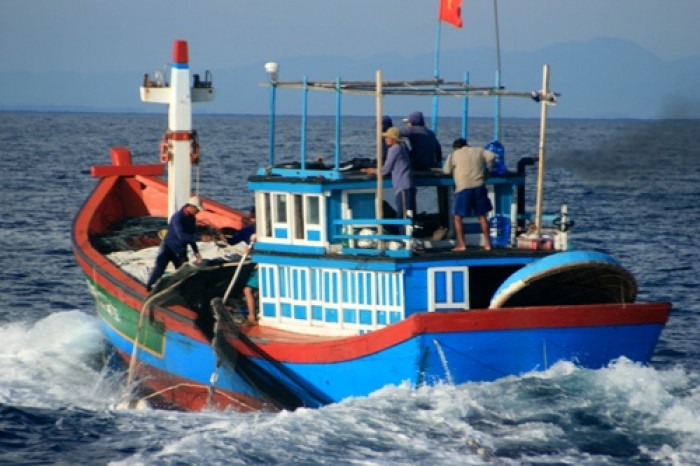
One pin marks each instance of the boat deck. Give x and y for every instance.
(136, 241)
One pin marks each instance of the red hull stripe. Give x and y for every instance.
(344, 349)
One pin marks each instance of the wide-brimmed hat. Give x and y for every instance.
(194, 201)
(393, 133)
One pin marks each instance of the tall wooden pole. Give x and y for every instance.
(544, 103)
(379, 206)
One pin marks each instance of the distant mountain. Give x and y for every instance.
(602, 78)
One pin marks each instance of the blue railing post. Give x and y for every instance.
(273, 111)
(465, 109)
(436, 74)
(304, 117)
(338, 101)
(497, 110)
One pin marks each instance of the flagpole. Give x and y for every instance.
(495, 146)
(436, 71)
(497, 123)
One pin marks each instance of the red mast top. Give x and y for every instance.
(180, 54)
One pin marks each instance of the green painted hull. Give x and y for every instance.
(124, 320)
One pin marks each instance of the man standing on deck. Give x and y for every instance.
(398, 165)
(247, 234)
(425, 151)
(469, 167)
(181, 232)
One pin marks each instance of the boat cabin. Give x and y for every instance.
(329, 252)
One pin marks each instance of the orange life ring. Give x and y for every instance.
(165, 152)
(194, 148)
(194, 152)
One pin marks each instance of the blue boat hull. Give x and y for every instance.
(411, 356)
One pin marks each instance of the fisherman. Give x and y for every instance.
(398, 165)
(386, 124)
(469, 167)
(425, 150)
(247, 234)
(181, 232)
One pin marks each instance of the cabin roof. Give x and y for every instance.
(424, 87)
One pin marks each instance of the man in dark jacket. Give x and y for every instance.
(181, 232)
(425, 151)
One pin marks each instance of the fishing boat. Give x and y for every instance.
(347, 302)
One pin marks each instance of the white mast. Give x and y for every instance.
(179, 146)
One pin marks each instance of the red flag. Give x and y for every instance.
(451, 12)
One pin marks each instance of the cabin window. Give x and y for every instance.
(313, 214)
(332, 298)
(280, 225)
(448, 288)
(289, 218)
(266, 220)
(280, 208)
(312, 218)
(298, 216)
(306, 220)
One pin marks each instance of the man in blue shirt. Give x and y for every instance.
(181, 232)
(398, 165)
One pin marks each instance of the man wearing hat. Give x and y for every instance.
(398, 165)
(425, 151)
(386, 124)
(181, 232)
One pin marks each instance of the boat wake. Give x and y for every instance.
(58, 361)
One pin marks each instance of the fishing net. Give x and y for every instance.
(133, 245)
(201, 288)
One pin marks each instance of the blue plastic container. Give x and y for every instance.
(499, 230)
(499, 164)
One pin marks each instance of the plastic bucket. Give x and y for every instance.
(499, 230)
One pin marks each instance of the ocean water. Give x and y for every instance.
(631, 187)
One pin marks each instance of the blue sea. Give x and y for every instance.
(632, 187)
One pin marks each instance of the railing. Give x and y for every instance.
(362, 236)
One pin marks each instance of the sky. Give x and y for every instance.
(102, 36)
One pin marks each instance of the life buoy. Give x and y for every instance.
(165, 153)
(194, 148)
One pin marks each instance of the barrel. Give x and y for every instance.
(499, 230)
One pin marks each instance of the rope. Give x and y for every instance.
(237, 272)
(196, 179)
(193, 385)
(279, 386)
(217, 318)
(214, 342)
(134, 351)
